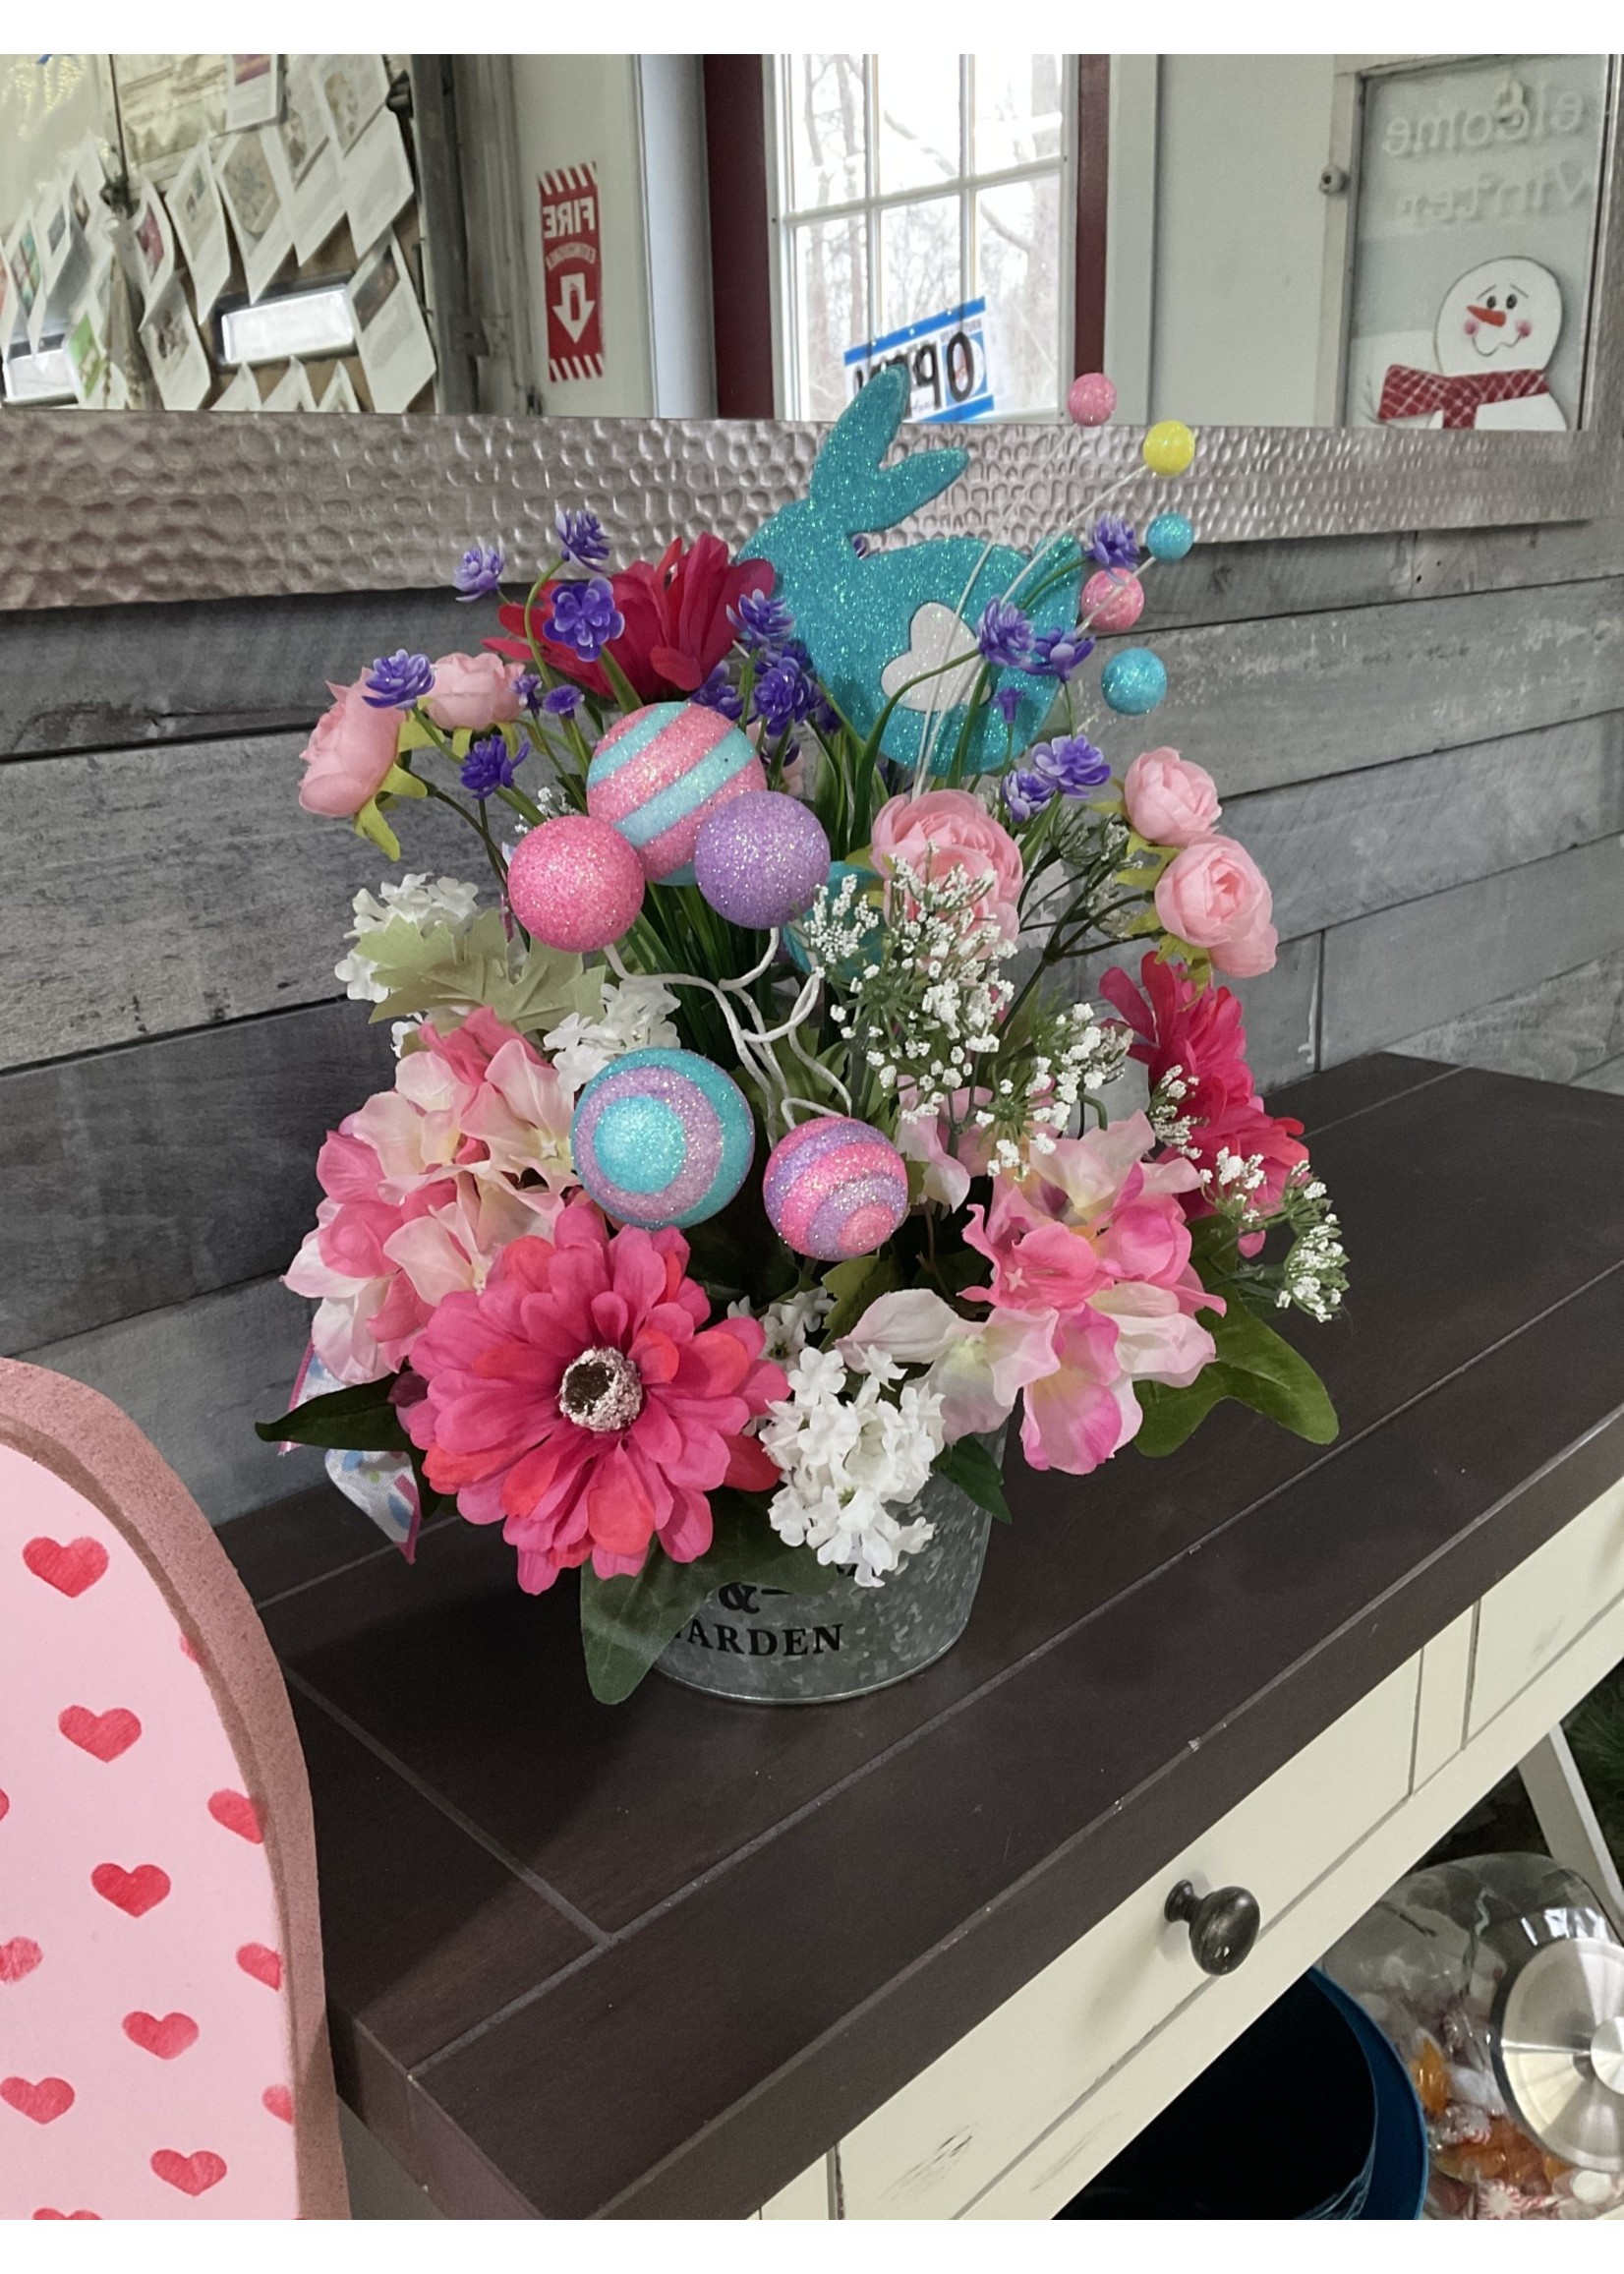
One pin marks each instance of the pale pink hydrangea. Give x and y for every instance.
(425, 1184)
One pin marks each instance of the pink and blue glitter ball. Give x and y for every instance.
(834, 1188)
(661, 1137)
(761, 860)
(575, 884)
(661, 772)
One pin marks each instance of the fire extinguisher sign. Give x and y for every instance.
(572, 273)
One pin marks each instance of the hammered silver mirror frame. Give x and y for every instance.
(108, 507)
(104, 508)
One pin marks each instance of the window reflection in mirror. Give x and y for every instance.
(1385, 241)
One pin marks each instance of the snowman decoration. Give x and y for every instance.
(1496, 333)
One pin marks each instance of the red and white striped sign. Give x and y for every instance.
(572, 273)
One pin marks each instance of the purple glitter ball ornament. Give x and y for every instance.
(762, 859)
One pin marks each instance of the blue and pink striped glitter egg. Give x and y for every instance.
(660, 772)
(834, 1188)
(661, 1137)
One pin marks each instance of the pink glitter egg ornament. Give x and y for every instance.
(1113, 600)
(834, 1188)
(660, 772)
(575, 883)
(1090, 399)
(761, 860)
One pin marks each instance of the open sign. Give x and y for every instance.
(945, 357)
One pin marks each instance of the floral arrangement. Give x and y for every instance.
(747, 1158)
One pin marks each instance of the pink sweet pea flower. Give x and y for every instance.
(472, 691)
(1086, 1409)
(581, 1401)
(348, 755)
(1157, 1339)
(949, 1144)
(944, 831)
(977, 1366)
(1214, 895)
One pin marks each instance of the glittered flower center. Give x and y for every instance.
(602, 1391)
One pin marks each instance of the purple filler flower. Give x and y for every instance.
(1006, 702)
(1071, 763)
(581, 538)
(1113, 544)
(479, 572)
(584, 617)
(719, 694)
(1003, 635)
(786, 693)
(562, 702)
(761, 622)
(488, 766)
(1060, 652)
(1027, 793)
(528, 688)
(395, 682)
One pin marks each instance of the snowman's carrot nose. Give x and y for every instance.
(1486, 315)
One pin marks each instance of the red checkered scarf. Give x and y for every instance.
(1408, 393)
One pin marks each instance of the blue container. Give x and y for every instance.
(1308, 2115)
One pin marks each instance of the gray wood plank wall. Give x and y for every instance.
(1422, 739)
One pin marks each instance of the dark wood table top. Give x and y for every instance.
(651, 1960)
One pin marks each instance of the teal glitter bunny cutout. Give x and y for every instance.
(873, 623)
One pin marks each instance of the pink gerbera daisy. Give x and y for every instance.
(580, 1400)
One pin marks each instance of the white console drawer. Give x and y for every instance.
(966, 2117)
(1539, 1609)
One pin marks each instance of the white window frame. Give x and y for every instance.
(784, 216)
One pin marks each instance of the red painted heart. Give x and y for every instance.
(279, 2101)
(194, 2174)
(17, 1957)
(133, 1892)
(67, 2214)
(237, 1813)
(70, 1567)
(265, 1965)
(167, 2037)
(107, 1736)
(44, 2101)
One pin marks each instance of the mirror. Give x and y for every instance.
(1400, 242)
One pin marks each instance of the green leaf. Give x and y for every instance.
(1256, 1368)
(356, 1420)
(854, 1285)
(625, 694)
(625, 1624)
(971, 1467)
(446, 967)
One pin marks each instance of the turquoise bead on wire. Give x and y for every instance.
(1169, 537)
(1134, 681)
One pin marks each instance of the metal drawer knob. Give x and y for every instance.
(1223, 1925)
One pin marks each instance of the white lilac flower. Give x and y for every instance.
(413, 898)
(850, 1456)
(789, 1322)
(634, 1017)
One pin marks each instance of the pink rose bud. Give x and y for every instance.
(347, 757)
(941, 830)
(472, 691)
(1214, 896)
(1169, 800)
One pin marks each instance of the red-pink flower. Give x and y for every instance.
(675, 612)
(1198, 1029)
(581, 1401)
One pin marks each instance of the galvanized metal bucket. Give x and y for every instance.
(771, 1648)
